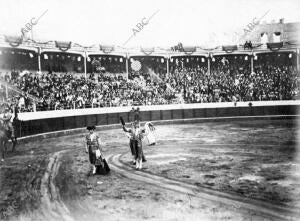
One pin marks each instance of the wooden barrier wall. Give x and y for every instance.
(37, 126)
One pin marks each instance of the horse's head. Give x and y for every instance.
(1, 124)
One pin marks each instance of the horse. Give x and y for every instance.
(5, 136)
(3, 143)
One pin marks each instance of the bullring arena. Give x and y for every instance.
(209, 163)
(150, 110)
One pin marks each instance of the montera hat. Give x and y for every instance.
(90, 127)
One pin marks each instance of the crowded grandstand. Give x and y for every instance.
(54, 75)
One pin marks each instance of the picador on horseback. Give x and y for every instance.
(7, 122)
(7, 130)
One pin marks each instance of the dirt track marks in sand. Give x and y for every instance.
(260, 208)
(52, 207)
(117, 195)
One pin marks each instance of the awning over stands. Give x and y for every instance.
(59, 61)
(17, 59)
(106, 62)
(188, 58)
(286, 57)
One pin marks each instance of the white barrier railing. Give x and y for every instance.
(91, 111)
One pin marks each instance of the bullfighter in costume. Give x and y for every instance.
(133, 144)
(93, 147)
(149, 129)
(137, 135)
(135, 114)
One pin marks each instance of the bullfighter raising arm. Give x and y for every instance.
(126, 129)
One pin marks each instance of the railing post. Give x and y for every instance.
(39, 59)
(85, 58)
(127, 68)
(168, 67)
(208, 64)
(252, 64)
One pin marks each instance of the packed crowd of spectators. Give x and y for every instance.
(55, 91)
(230, 79)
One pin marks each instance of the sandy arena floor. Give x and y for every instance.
(245, 170)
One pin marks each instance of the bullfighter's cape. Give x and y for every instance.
(122, 121)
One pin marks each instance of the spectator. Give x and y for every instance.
(230, 80)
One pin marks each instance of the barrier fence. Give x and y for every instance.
(50, 121)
